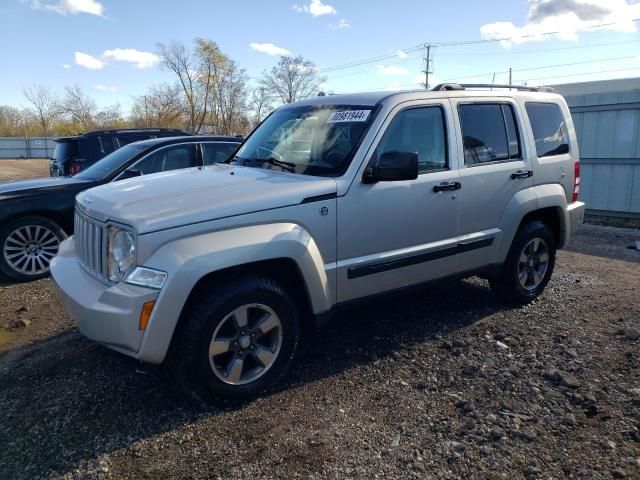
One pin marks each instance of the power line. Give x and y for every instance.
(461, 43)
(528, 79)
(541, 67)
(586, 73)
(542, 50)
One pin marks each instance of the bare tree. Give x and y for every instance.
(79, 108)
(160, 107)
(229, 104)
(197, 72)
(292, 79)
(110, 117)
(13, 121)
(261, 104)
(45, 106)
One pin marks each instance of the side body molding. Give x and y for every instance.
(527, 201)
(189, 259)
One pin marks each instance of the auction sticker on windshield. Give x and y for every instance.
(349, 116)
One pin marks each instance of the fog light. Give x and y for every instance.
(145, 314)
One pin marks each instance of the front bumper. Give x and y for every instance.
(107, 314)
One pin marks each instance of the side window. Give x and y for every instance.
(549, 129)
(127, 139)
(489, 132)
(421, 131)
(217, 152)
(165, 159)
(107, 145)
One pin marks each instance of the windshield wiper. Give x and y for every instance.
(288, 166)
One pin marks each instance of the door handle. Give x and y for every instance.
(521, 174)
(444, 186)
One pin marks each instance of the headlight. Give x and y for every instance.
(147, 277)
(121, 253)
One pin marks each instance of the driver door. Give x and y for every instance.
(399, 233)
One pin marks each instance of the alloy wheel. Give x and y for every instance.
(533, 264)
(246, 343)
(30, 248)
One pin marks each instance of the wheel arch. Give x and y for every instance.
(284, 251)
(546, 203)
(55, 216)
(283, 270)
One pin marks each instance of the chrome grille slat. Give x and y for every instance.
(90, 243)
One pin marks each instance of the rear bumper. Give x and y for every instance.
(575, 214)
(107, 314)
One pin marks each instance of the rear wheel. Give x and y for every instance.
(528, 266)
(27, 246)
(237, 341)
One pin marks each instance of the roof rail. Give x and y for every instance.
(465, 86)
(133, 130)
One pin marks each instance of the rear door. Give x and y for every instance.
(496, 166)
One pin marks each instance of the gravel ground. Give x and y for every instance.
(19, 169)
(440, 383)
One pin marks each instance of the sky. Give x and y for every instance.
(109, 47)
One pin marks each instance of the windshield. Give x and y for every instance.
(111, 163)
(64, 151)
(318, 140)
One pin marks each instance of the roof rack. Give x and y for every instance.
(465, 86)
(132, 130)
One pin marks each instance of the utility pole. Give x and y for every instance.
(509, 77)
(146, 112)
(427, 69)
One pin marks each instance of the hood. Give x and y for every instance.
(171, 199)
(19, 188)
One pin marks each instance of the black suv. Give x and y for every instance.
(74, 154)
(36, 215)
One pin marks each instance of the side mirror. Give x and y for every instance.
(392, 166)
(130, 173)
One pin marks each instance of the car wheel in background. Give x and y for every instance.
(27, 246)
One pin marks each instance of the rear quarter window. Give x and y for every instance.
(549, 129)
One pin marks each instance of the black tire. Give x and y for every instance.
(13, 267)
(507, 284)
(189, 354)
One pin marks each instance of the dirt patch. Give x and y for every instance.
(20, 169)
(441, 383)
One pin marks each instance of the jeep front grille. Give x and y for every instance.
(90, 240)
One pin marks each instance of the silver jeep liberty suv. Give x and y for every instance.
(330, 200)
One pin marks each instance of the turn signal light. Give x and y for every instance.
(145, 314)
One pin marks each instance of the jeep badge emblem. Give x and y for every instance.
(324, 211)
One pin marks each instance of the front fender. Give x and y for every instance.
(187, 260)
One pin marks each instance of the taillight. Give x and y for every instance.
(576, 182)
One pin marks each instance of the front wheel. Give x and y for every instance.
(238, 341)
(528, 266)
(27, 246)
